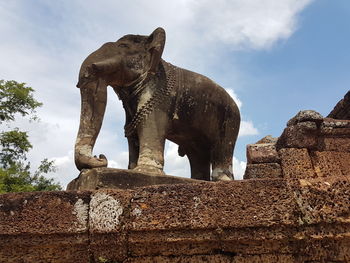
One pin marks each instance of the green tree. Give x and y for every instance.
(16, 99)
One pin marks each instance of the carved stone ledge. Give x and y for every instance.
(257, 220)
(97, 178)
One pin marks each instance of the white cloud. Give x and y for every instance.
(121, 161)
(63, 160)
(175, 164)
(254, 24)
(238, 168)
(247, 128)
(65, 167)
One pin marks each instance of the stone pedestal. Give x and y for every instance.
(256, 220)
(97, 178)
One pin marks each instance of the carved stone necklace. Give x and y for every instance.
(161, 93)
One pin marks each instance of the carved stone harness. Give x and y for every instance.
(161, 93)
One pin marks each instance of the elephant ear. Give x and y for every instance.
(156, 42)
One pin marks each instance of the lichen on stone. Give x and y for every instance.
(105, 212)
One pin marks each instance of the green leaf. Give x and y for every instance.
(15, 172)
(16, 98)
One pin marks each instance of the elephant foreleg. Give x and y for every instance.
(151, 135)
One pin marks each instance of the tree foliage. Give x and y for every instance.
(16, 100)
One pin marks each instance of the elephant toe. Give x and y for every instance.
(85, 162)
(149, 170)
(221, 175)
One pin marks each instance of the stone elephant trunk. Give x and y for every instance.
(93, 105)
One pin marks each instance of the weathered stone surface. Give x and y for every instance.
(218, 258)
(262, 153)
(329, 131)
(342, 109)
(267, 139)
(263, 170)
(44, 227)
(31, 213)
(305, 116)
(177, 215)
(296, 163)
(327, 135)
(331, 163)
(272, 220)
(108, 215)
(324, 200)
(99, 178)
(339, 144)
(301, 135)
(334, 123)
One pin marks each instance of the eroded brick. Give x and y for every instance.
(263, 170)
(296, 163)
(262, 153)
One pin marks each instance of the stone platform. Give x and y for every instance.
(97, 178)
(256, 220)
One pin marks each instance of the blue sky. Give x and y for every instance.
(275, 58)
(309, 70)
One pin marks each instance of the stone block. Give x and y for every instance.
(335, 132)
(104, 178)
(262, 153)
(217, 258)
(306, 116)
(267, 139)
(335, 123)
(108, 216)
(265, 220)
(263, 170)
(331, 163)
(296, 163)
(323, 200)
(338, 144)
(44, 227)
(44, 212)
(335, 128)
(170, 220)
(301, 135)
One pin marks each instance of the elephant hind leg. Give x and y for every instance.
(221, 160)
(222, 150)
(200, 165)
(133, 143)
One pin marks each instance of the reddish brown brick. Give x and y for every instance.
(296, 163)
(262, 153)
(338, 144)
(44, 227)
(108, 209)
(331, 163)
(301, 135)
(263, 170)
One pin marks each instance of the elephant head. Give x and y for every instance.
(118, 64)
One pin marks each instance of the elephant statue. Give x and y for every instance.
(161, 101)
